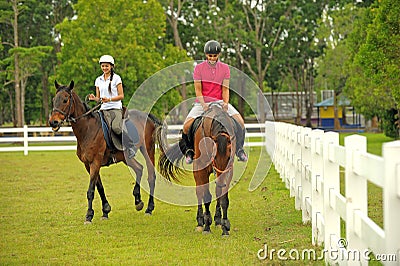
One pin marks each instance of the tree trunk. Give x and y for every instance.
(298, 103)
(336, 123)
(310, 95)
(45, 100)
(24, 81)
(261, 110)
(18, 108)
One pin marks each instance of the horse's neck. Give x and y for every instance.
(82, 126)
(79, 107)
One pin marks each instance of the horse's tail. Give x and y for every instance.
(160, 134)
(170, 157)
(170, 162)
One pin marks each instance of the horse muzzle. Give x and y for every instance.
(55, 125)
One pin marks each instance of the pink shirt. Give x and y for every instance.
(211, 78)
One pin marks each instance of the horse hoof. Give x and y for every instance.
(87, 222)
(147, 214)
(225, 233)
(199, 229)
(139, 206)
(103, 218)
(206, 232)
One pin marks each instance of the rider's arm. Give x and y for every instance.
(199, 93)
(225, 92)
(120, 95)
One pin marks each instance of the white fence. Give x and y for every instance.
(310, 163)
(40, 135)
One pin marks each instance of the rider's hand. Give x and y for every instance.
(205, 106)
(92, 97)
(225, 106)
(106, 100)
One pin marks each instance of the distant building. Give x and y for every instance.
(284, 104)
(284, 108)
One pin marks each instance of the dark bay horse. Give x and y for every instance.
(92, 148)
(214, 146)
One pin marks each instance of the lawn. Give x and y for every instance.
(43, 205)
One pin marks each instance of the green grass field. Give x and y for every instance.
(43, 205)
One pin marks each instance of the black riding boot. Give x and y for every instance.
(240, 136)
(186, 148)
(130, 138)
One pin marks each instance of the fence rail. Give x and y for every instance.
(310, 163)
(65, 135)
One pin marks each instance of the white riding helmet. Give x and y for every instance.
(106, 59)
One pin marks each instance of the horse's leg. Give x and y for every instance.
(207, 213)
(224, 199)
(138, 169)
(94, 175)
(199, 217)
(106, 206)
(148, 154)
(225, 224)
(218, 215)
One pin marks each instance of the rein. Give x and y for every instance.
(67, 114)
(213, 159)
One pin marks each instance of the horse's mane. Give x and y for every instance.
(221, 123)
(85, 104)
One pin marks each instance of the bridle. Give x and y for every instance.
(67, 114)
(214, 138)
(230, 165)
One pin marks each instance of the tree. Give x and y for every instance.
(336, 26)
(27, 57)
(377, 63)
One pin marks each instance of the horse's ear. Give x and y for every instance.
(71, 85)
(56, 84)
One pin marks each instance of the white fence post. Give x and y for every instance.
(306, 173)
(317, 197)
(331, 186)
(391, 199)
(303, 155)
(25, 140)
(356, 196)
(296, 160)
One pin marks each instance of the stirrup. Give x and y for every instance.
(189, 156)
(131, 152)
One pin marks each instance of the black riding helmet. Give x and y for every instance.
(212, 47)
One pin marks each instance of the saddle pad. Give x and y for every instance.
(113, 141)
(197, 122)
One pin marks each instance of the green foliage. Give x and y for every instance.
(128, 30)
(389, 124)
(374, 81)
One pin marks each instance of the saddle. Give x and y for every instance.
(113, 140)
(196, 124)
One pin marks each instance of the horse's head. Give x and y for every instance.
(222, 131)
(62, 105)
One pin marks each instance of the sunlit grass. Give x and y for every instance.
(43, 205)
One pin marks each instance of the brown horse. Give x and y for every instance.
(92, 149)
(214, 146)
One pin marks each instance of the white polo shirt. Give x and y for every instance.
(103, 88)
